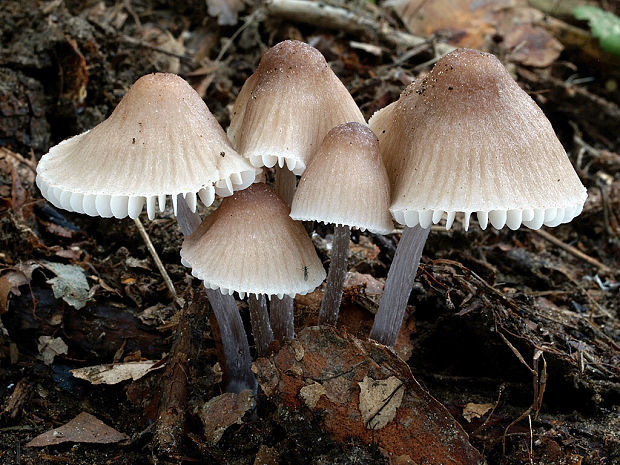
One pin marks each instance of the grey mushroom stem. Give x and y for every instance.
(234, 342)
(286, 182)
(398, 285)
(282, 318)
(234, 338)
(259, 317)
(282, 310)
(330, 306)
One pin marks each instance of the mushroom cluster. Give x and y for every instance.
(465, 139)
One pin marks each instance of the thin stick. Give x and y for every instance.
(341, 19)
(157, 260)
(573, 251)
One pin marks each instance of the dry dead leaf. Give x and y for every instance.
(69, 284)
(312, 393)
(49, 347)
(223, 411)
(471, 410)
(379, 400)
(83, 428)
(116, 372)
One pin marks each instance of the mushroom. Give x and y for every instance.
(287, 106)
(160, 140)
(345, 184)
(249, 245)
(467, 139)
(297, 93)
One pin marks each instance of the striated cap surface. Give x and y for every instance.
(346, 183)
(287, 106)
(468, 139)
(250, 245)
(160, 140)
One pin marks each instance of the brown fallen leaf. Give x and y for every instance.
(83, 428)
(472, 410)
(223, 411)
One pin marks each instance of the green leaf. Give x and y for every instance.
(604, 25)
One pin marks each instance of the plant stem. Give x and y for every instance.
(157, 260)
(282, 318)
(259, 317)
(332, 298)
(234, 340)
(398, 285)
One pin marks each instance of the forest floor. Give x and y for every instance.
(515, 333)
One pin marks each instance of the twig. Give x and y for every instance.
(157, 260)
(137, 42)
(331, 17)
(248, 21)
(573, 251)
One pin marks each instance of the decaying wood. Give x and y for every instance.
(174, 382)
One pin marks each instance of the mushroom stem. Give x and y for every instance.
(234, 341)
(336, 276)
(281, 312)
(187, 219)
(398, 285)
(259, 318)
(286, 182)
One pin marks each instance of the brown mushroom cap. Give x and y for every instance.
(468, 139)
(287, 106)
(160, 140)
(346, 183)
(250, 245)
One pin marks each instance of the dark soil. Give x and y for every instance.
(506, 318)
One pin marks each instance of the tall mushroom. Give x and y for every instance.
(249, 245)
(467, 139)
(281, 116)
(344, 184)
(161, 140)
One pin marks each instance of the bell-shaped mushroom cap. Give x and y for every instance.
(160, 140)
(346, 183)
(250, 245)
(468, 139)
(287, 106)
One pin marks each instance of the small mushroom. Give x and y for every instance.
(287, 106)
(249, 245)
(467, 139)
(345, 184)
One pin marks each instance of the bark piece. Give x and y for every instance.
(420, 426)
